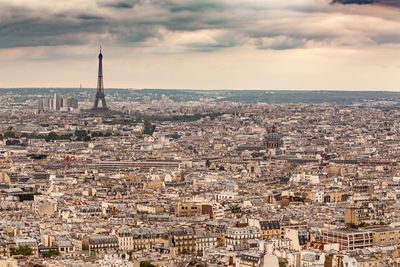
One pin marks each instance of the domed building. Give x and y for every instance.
(272, 139)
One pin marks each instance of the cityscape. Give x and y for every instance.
(259, 176)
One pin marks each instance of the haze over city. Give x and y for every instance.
(218, 44)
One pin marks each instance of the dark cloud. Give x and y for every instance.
(201, 25)
(28, 28)
(88, 17)
(131, 22)
(392, 3)
(120, 5)
(193, 6)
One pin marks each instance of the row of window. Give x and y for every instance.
(104, 245)
(242, 236)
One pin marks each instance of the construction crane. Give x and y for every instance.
(316, 139)
(324, 160)
(322, 164)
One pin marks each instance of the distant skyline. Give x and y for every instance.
(202, 44)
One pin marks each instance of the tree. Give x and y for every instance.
(356, 226)
(149, 128)
(146, 264)
(185, 251)
(362, 225)
(352, 225)
(21, 250)
(80, 133)
(86, 138)
(283, 263)
(129, 252)
(97, 134)
(52, 136)
(200, 253)
(9, 134)
(50, 253)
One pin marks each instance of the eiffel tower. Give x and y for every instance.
(103, 110)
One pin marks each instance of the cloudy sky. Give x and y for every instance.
(202, 44)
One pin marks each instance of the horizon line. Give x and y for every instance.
(207, 89)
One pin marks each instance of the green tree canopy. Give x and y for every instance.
(52, 136)
(80, 133)
(21, 250)
(9, 134)
(146, 264)
(50, 253)
(148, 128)
(283, 263)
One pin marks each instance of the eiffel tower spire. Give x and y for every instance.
(100, 96)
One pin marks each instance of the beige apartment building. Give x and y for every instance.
(150, 209)
(141, 238)
(385, 235)
(184, 240)
(270, 229)
(188, 209)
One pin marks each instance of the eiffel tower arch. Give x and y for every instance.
(100, 96)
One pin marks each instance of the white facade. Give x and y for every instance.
(146, 208)
(238, 235)
(319, 196)
(226, 195)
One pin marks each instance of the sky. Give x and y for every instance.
(202, 44)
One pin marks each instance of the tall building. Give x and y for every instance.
(68, 104)
(45, 104)
(57, 104)
(100, 96)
